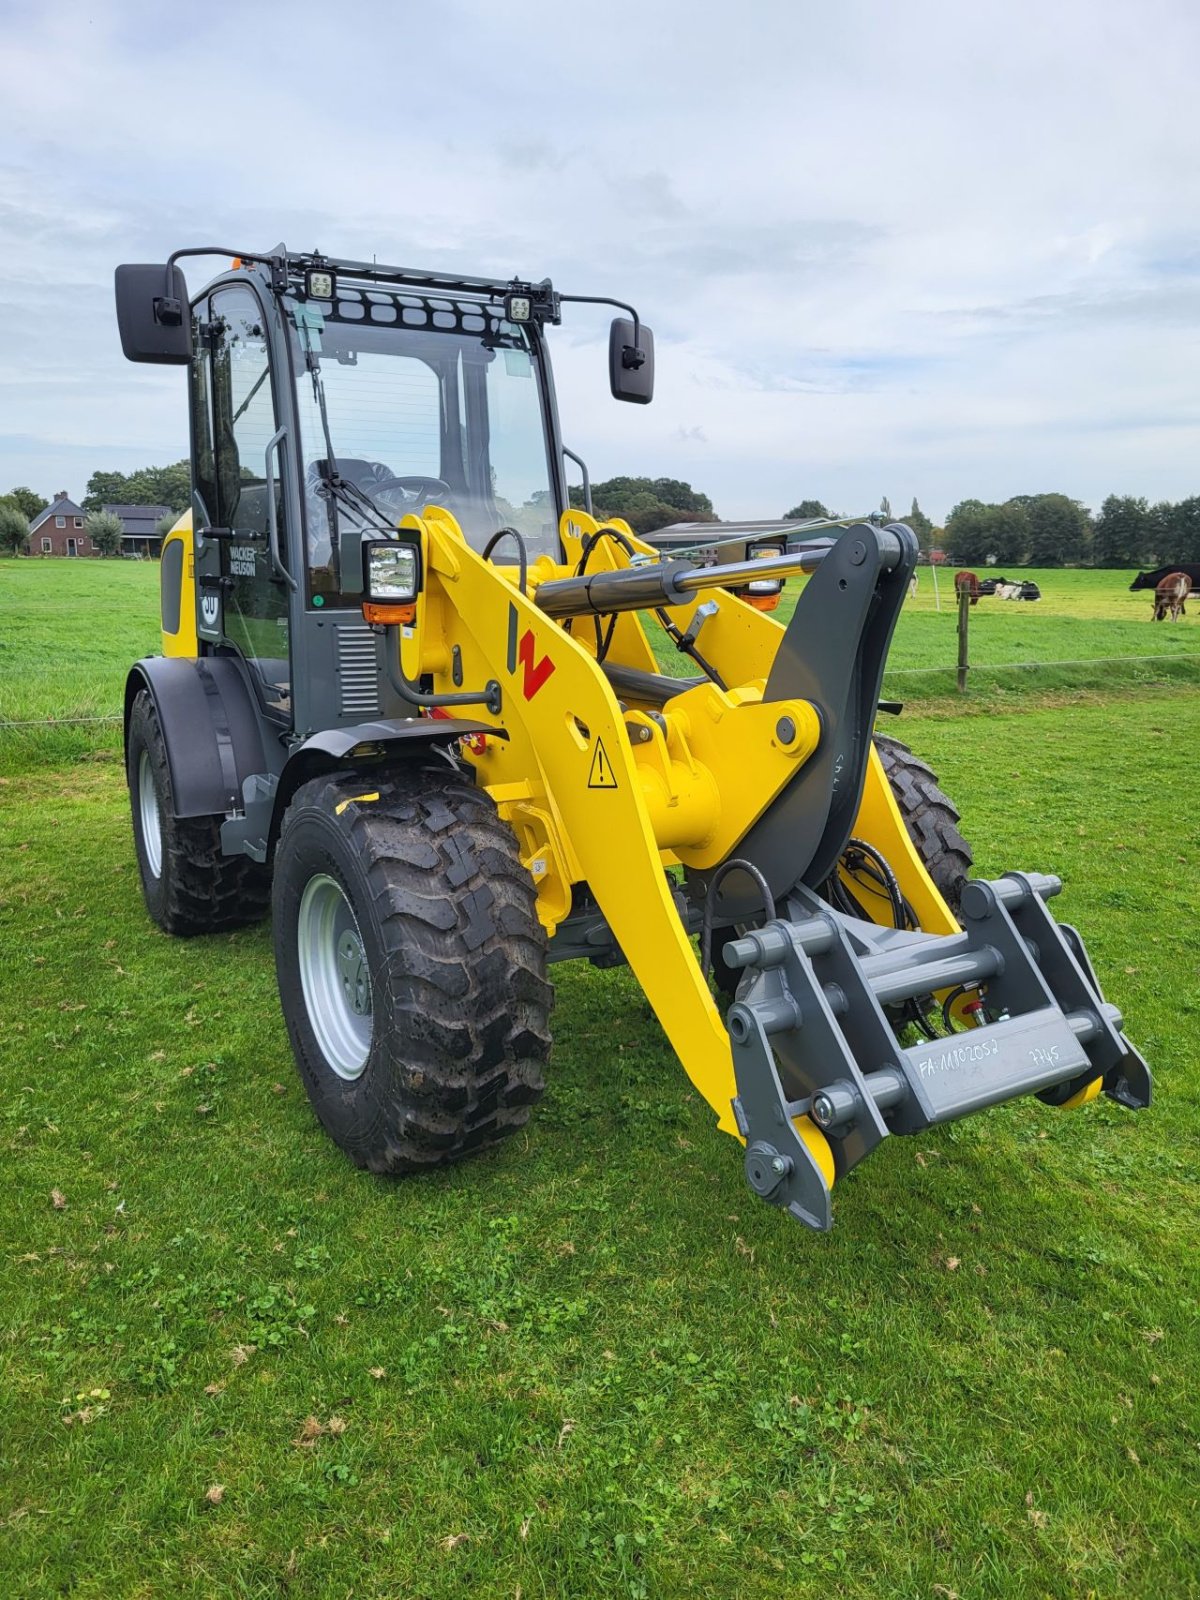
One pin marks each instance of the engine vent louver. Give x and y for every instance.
(358, 671)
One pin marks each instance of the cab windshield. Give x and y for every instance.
(428, 402)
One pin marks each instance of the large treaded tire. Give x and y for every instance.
(195, 888)
(930, 817)
(458, 1032)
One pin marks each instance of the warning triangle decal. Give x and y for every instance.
(601, 776)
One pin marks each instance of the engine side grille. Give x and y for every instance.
(358, 671)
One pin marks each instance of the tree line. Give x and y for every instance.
(927, 534)
(17, 509)
(149, 486)
(1052, 530)
(1038, 530)
(169, 486)
(647, 503)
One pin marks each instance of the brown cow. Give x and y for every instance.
(968, 581)
(1170, 594)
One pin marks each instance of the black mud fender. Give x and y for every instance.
(368, 741)
(367, 745)
(210, 725)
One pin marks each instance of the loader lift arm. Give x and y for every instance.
(783, 1069)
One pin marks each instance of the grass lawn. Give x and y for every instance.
(1087, 632)
(69, 629)
(592, 1363)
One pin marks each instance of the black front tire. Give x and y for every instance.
(188, 885)
(930, 816)
(931, 819)
(412, 881)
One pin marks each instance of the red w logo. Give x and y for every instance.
(533, 674)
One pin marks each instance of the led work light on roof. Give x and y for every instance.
(318, 283)
(517, 308)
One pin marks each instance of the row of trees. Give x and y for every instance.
(1041, 530)
(916, 519)
(1130, 532)
(148, 486)
(17, 508)
(27, 501)
(1052, 530)
(647, 503)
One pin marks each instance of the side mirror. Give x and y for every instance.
(153, 314)
(631, 362)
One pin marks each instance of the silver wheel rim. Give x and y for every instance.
(334, 976)
(148, 812)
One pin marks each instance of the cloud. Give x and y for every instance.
(904, 250)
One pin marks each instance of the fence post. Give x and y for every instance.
(964, 613)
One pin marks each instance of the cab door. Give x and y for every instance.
(238, 487)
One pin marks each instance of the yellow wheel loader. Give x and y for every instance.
(451, 730)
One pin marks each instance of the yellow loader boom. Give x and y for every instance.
(420, 701)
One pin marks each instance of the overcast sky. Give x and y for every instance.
(887, 248)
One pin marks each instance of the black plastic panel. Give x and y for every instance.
(170, 584)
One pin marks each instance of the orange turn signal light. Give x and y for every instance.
(764, 602)
(373, 612)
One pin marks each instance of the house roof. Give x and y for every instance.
(139, 522)
(62, 507)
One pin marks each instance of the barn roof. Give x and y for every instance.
(138, 521)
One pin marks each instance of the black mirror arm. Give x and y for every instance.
(168, 310)
(633, 355)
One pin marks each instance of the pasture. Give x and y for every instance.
(591, 1364)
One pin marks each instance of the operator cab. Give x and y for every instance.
(329, 400)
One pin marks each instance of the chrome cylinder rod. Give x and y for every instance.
(733, 574)
(666, 583)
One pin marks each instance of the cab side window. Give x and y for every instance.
(243, 412)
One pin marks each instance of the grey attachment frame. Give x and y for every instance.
(811, 1036)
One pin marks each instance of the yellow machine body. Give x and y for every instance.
(615, 797)
(614, 794)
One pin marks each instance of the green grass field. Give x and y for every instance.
(590, 1364)
(1089, 620)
